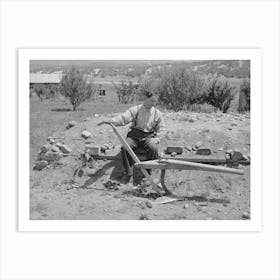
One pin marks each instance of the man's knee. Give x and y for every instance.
(151, 146)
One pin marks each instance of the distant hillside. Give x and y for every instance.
(137, 68)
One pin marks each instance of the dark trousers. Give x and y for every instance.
(136, 139)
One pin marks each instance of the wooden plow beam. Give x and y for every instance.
(164, 164)
(185, 165)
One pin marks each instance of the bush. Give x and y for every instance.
(74, 86)
(127, 92)
(179, 87)
(244, 97)
(218, 94)
(41, 90)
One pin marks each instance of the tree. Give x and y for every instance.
(74, 86)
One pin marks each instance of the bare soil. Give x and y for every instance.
(58, 193)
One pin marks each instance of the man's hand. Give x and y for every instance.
(105, 122)
(154, 140)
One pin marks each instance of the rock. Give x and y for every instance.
(86, 134)
(198, 144)
(45, 148)
(50, 156)
(55, 149)
(174, 154)
(236, 155)
(177, 149)
(188, 148)
(63, 148)
(227, 156)
(96, 115)
(191, 120)
(186, 206)
(71, 124)
(203, 151)
(144, 217)
(105, 147)
(234, 124)
(40, 165)
(149, 204)
(92, 149)
(50, 140)
(112, 185)
(246, 216)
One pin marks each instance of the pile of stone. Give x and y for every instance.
(50, 153)
(236, 155)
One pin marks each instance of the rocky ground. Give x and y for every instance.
(62, 187)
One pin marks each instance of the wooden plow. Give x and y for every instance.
(164, 164)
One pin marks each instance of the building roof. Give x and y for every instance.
(36, 78)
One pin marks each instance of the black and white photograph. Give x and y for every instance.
(139, 139)
(146, 139)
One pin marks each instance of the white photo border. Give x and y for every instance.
(24, 57)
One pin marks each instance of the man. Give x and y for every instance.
(147, 128)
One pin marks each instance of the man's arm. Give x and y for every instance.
(126, 117)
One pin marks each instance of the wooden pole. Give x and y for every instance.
(183, 165)
(135, 158)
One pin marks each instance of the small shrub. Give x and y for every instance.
(74, 86)
(41, 90)
(244, 97)
(219, 94)
(179, 87)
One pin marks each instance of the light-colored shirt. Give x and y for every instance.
(149, 120)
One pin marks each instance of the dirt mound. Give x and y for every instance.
(73, 189)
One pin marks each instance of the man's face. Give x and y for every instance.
(150, 102)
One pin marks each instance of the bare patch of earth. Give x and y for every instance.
(55, 193)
